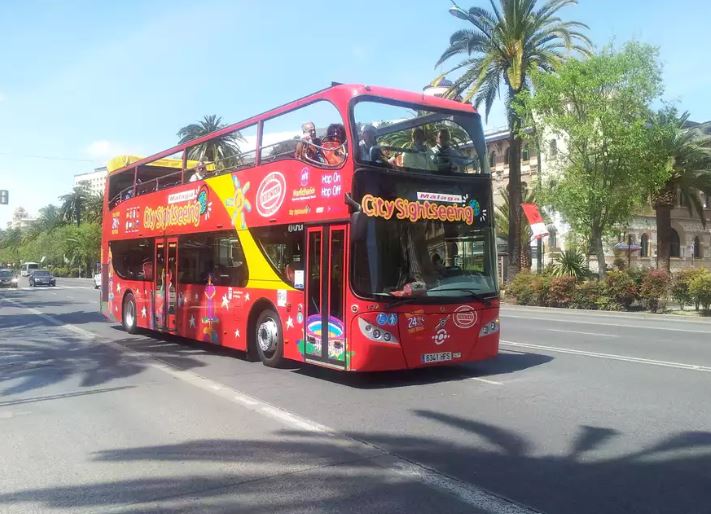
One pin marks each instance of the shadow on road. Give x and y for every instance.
(670, 476)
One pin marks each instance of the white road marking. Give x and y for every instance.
(578, 322)
(583, 333)
(470, 494)
(611, 356)
(486, 381)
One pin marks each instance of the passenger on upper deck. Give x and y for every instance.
(308, 149)
(444, 157)
(367, 148)
(419, 155)
(199, 173)
(334, 144)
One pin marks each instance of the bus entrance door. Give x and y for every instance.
(325, 337)
(165, 290)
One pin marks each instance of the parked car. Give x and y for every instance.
(42, 277)
(8, 278)
(97, 280)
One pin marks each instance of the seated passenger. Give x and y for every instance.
(199, 173)
(367, 143)
(308, 149)
(419, 155)
(334, 145)
(445, 158)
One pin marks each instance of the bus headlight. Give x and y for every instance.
(375, 333)
(490, 328)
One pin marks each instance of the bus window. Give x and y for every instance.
(217, 254)
(432, 141)
(133, 259)
(300, 134)
(228, 152)
(283, 247)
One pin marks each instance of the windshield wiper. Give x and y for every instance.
(484, 297)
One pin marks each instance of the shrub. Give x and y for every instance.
(680, 286)
(621, 289)
(700, 289)
(570, 263)
(561, 291)
(654, 289)
(521, 288)
(587, 294)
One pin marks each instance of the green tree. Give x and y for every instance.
(613, 156)
(503, 48)
(74, 204)
(689, 164)
(223, 150)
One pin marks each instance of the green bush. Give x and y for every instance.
(621, 291)
(570, 263)
(700, 289)
(680, 286)
(561, 291)
(587, 294)
(521, 288)
(654, 289)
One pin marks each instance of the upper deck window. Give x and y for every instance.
(414, 137)
(314, 134)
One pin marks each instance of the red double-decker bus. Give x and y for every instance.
(352, 228)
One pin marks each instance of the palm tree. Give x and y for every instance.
(74, 204)
(505, 45)
(690, 173)
(95, 208)
(223, 151)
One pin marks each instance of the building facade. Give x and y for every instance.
(691, 244)
(94, 180)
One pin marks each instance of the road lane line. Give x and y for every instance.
(470, 494)
(622, 325)
(486, 381)
(583, 333)
(611, 356)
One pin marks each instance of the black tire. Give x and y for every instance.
(269, 339)
(128, 314)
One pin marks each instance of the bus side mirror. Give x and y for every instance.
(359, 223)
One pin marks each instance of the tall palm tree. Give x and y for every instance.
(74, 204)
(502, 49)
(223, 151)
(690, 173)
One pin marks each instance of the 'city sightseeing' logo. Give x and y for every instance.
(402, 209)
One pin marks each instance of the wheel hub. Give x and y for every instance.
(267, 335)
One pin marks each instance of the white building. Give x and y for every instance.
(95, 180)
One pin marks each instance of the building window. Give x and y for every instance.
(674, 246)
(697, 248)
(507, 156)
(553, 146)
(644, 243)
(492, 159)
(708, 202)
(682, 202)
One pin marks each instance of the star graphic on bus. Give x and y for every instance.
(225, 301)
(143, 312)
(289, 322)
(240, 204)
(191, 321)
(237, 332)
(118, 288)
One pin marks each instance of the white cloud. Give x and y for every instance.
(103, 149)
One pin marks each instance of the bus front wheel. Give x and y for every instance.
(269, 338)
(128, 316)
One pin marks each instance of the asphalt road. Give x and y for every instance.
(581, 413)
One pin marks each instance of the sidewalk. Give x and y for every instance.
(671, 315)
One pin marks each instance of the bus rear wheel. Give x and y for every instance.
(128, 314)
(269, 338)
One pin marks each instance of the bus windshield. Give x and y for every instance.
(422, 235)
(417, 138)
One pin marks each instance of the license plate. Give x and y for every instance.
(436, 357)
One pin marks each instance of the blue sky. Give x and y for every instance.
(85, 80)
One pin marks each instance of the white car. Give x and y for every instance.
(97, 281)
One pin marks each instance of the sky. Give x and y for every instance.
(83, 81)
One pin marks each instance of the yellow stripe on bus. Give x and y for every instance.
(261, 273)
